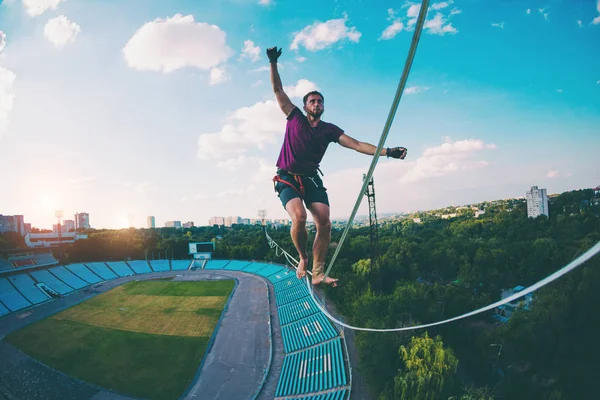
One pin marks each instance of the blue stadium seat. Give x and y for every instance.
(254, 267)
(297, 310)
(3, 310)
(84, 273)
(287, 296)
(26, 286)
(102, 271)
(160, 265)
(140, 266)
(307, 332)
(216, 264)
(179, 265)
(68, 277)
(9, 296)
(121, 268)
(312, 370)
(45, 277)
(236, 265)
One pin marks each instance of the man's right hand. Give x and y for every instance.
(273, 54)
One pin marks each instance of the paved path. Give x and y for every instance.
(233, 368)
(238, 360)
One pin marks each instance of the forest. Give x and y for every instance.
(435, 269)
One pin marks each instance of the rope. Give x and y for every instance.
(550, 278)
(386, 129)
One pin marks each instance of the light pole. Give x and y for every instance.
(497, 357)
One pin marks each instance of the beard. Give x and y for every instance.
(316, 114)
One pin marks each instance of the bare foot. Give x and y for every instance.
(301, 271)
(328, 281)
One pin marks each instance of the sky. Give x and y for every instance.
(130, 108)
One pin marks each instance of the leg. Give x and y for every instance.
(320, 213)
(297, 213)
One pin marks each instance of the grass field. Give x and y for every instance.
(144, 339)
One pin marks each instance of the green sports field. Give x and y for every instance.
(144, 339)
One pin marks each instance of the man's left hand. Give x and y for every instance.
(396, 152)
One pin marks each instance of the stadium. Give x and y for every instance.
(264, 337)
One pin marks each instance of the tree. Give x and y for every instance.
(428, 369)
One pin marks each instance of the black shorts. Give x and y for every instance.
(314, 191)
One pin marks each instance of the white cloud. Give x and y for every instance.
(440, 24)
(248, 127)
(552, 174)
(439, 6)
(545, 14)
(392, 30)
(300, 59)
(38, 7)
(262, 171)
(528, 11)
(251, 51)
(2, 40)
(498, 25)
(7, 97)
(579, 23)
(218, 75)
(559, 90)
(257, 83)
(302, 87)
(322, 35)
(598, 82)
(60, 31)
(265, 2)
(176, 42)
(596, 20)
(448, 158)
(415, 89)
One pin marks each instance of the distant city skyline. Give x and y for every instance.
(167, 110)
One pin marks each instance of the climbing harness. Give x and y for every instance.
(411, 54)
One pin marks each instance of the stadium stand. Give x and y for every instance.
(140, 266)
(84, 273)
(314, 366)
(160, 265)
(307, 332)
(26, 286)
(23, 262)
(179, 265)
(216, 264)
(121, 268)
(3, 310)
(236, 265)
(5, 265)
(45, 259)
(67, 277)
(102, 271)
(9, 296)
(312, 370)
(314, 360)
(45, 277)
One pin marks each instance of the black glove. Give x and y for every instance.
(273, 54)
(396, 152)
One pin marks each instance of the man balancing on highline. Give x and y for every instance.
(306, 139)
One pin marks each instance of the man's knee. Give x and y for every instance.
(299, 218)
(297, 212)
(323, 225)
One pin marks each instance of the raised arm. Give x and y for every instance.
(283, 100)
(367, 148)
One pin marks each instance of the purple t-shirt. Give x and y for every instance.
(303, 146)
